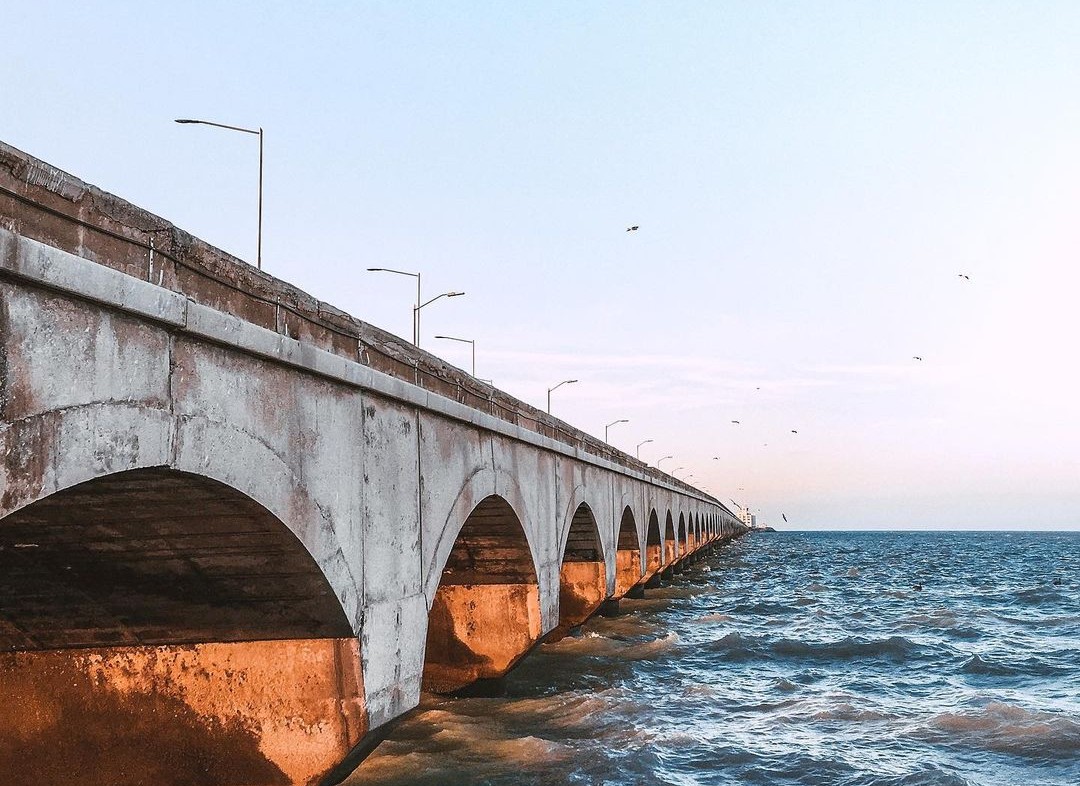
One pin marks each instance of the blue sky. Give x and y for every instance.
(809, 180)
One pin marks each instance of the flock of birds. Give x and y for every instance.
(964, 276)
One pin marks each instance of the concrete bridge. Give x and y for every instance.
(240, 531)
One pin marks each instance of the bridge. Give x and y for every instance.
(241, 531)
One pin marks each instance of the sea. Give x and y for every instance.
(831, 659)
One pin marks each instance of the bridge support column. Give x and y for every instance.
(252, 713)
(478, 632)
(582, 589)
(609, 608)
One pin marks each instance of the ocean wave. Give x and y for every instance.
(927, 776)
(894, 647)
(765, 608)
(1038, 596)
(849, 712)
(1007, 728)
(596, 645)
(713, 618)
(989, 667)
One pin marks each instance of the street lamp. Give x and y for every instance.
(415, 326)
(564, 382)
(672, 473)
(416, 311)
(612, 423)
(258, 132)
(665, 458)
(637, 450)
(465, 341)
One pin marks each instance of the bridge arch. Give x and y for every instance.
(654, 545)
(485, 614)
(142, 606)
(670, 549)
(583, 572)
(481, 484)
(628, 562)
(683, 539)
(62, 448)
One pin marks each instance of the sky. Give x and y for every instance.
(809, 179)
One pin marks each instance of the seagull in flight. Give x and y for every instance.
(916, 357)
(784, 517)
(964, 276)
(634, 228)
(735, 422)
(793, 431)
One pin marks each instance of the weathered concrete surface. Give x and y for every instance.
(628, 571)
(243, 463)
(479, 632)
(265, 712)
(583, 587)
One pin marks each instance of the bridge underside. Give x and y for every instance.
(486, 612)
(158, 611)
(583, 575)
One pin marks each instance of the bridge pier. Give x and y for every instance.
(255, 712)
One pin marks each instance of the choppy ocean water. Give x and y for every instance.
(792, 658)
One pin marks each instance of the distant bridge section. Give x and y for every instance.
(243, 530)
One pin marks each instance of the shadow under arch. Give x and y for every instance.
(583, 574)
(683, 538)
(627, 555)
(485, 614)
(159, 610)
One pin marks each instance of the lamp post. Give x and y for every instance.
(415, 323)
(677, 469)
(416, 311)
(564, 382)
(259, 133)
(465, 341)
(665, 458)
(637, 450)
(612, 423)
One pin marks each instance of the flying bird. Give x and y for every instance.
(964, 276)
(735, 421)
(784, 517)
(793, 431)
(916, 357)
(634, 228)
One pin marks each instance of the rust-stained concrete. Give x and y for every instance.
(244, 713)
(198, 460)
(627, 571)
(582, 588)
(479, 632)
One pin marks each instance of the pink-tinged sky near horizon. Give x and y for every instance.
(809, 180)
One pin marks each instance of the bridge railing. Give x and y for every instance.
(47, 204)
